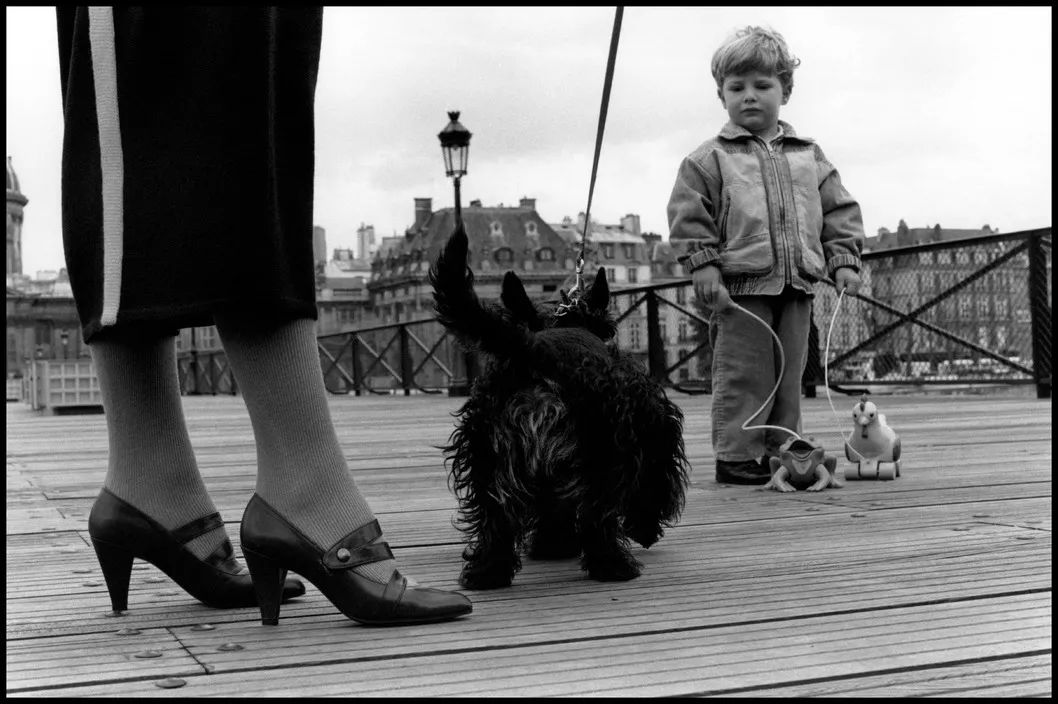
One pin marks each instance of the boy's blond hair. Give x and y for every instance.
(755, 49)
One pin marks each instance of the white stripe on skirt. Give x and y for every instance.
(104, 72)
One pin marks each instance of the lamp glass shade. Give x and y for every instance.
(455, 146)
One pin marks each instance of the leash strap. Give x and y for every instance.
(598, 145)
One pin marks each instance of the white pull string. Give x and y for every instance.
(826, 376)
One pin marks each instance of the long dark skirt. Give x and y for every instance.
(187, 168)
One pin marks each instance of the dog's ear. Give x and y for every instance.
(599, 296)
(516, 300)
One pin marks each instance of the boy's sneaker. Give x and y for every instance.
(744, 472)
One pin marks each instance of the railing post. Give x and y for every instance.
(655, 344)
(358, 369)
(405, 360)
(213, 373)
(1040, 313)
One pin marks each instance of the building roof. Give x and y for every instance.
(906, 236)
(519, 229)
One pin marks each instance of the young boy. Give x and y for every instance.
(763, 216)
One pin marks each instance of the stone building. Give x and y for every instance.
(42, 320)
(992, 312)
(501, 238)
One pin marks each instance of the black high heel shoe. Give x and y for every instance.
(272, 545)
(121, 532)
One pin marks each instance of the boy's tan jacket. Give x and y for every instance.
(767, 218)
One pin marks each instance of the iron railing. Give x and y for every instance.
(964, 312)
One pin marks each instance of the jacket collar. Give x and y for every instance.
(733, 131)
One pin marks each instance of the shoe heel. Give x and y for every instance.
(268, 578)
(116, 564)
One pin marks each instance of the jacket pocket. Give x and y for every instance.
(747, 247)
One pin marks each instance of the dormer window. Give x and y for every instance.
(546, 255)
(504, 255)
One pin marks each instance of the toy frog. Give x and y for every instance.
(803, 464)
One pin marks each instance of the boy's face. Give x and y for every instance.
(752, 101)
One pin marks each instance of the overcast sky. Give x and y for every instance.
(934, 115)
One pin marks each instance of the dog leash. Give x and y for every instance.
(578, 287)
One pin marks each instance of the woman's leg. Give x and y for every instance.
(301, 470)
(151, 464)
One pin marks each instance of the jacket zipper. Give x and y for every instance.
(782, 214)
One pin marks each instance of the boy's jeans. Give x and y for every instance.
(745, 369)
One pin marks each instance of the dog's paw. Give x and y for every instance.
(614, 567)
(486, 576)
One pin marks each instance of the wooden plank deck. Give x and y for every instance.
(936, 584)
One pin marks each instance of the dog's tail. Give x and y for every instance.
(484, 326)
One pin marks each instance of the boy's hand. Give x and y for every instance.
(709, 286)
(847, 279)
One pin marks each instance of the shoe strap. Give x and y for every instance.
(358, 548)
(198, 527)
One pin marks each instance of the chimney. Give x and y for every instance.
(527, 203)
(475, 203)
(423, 210)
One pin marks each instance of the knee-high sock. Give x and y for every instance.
(301, 470)
(151, 463)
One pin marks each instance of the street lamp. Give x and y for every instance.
(455, 146)
(65, 337)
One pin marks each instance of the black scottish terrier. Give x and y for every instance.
(565, 445)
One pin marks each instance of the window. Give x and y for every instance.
(633, 275)
(1001, 336)
(1002, 308)
(944, 256)
(663, 331)
(633, 336)
(962, 257)
(607, 250)
(610, 276)
(546, 255)
(980, 256)
(925, 257)
(681, 295)
(681, 330)
(982, 336)
(504, 255)
(982, 307)
(630, 250)
(965, 307)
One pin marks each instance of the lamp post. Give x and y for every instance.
(455, 147)
(65, 337)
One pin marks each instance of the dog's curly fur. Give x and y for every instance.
(565, 445)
